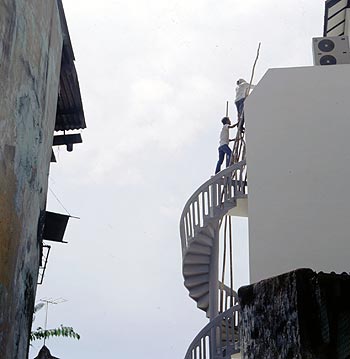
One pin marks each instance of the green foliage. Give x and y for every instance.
(62, 331)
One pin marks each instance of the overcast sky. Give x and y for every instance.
(155, 77)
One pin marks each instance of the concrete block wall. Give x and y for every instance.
(300, 314)
(30, 59)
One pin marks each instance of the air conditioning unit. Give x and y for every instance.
(331, 50)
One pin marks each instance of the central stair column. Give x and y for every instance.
(213, 276)
(214, 289)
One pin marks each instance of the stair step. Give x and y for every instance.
(196, 248)
(232, 331)
(230, 325)
(229, 204)
(196, 280)
(195, 269)
(208, 231)
(199, 291)
(204, 240)
(203, 302)
(196, 259)
(207, 313)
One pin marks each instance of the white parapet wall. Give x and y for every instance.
(298, 157)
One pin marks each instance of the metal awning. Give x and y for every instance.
(70, 113)
(55, 226)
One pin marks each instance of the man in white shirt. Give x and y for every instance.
(224, 144)
(242, 90)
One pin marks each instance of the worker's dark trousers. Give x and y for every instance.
(224, 149)
(240, 107)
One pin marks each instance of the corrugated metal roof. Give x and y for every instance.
(70, 113)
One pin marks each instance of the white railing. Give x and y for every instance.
(212, 200)
(227, 297)
(239, 146)
(219, 339)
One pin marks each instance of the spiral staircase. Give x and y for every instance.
(199, 230)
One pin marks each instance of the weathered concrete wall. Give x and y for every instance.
(301, 315)
(30, 56)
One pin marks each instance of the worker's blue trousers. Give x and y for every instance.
(224, 149)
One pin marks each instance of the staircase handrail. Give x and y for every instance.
(228, 290)
(194, 212)
(229, 299)
(216, 347)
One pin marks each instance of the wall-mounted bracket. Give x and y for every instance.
(67, 140)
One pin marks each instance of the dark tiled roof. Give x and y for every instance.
(70, 113)
(45, 354)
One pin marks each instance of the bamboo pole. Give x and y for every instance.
(253, 71)
(235, 156)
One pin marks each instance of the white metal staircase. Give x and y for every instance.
(198, 224)
(199, 227)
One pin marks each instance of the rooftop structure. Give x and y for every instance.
(296, 198)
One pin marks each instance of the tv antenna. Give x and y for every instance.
(48, 301)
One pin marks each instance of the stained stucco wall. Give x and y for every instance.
(298, 154)
(30, 55)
